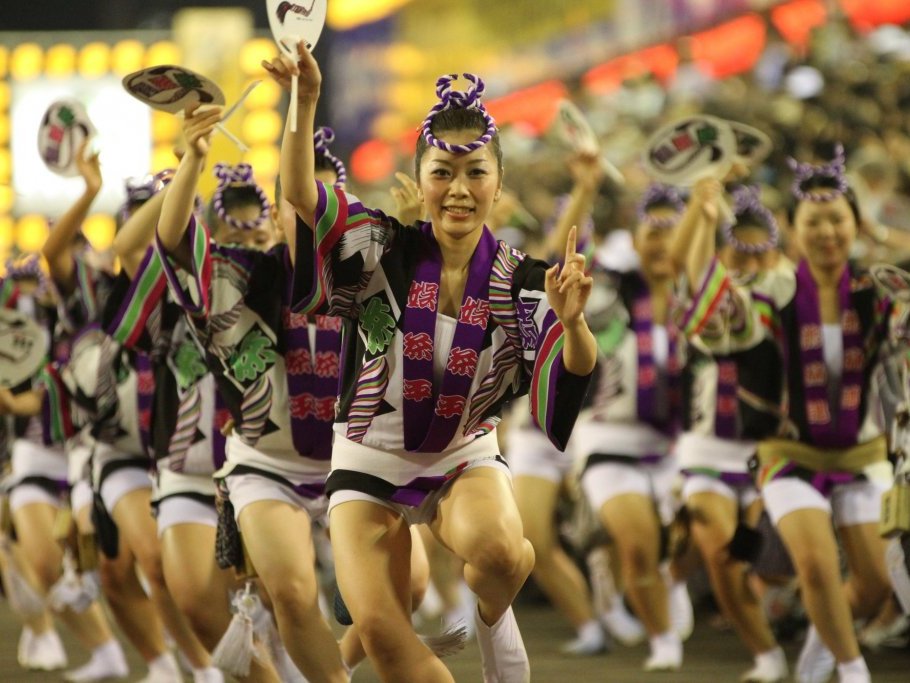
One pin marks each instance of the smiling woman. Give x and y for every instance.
(447, 324)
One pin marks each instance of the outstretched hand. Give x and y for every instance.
(706, 194)
(306, 70)
(198, 127)
(568, 288)
(587, 170)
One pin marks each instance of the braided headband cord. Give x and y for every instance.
(835, 170)
(659, 194)
(324, 137)
(241, 174)
(747, 200)
(140, 190)
(453, 99)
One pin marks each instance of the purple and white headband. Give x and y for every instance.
(453, 99)
(232, 176)
(140, 190)
(324, 137)
(836, 170)
(657, 195)
(28, 266)
(747, 201)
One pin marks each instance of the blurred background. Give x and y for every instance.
(808, 72)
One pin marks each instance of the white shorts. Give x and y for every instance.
(531, 454)
(604, 481)
(178, 509)
(246, 489)
(30, 494)
(859, 502)
(743, 496)
(78, 457)
(35, 460)
(121, 482)
(426, 511)
(81, 495)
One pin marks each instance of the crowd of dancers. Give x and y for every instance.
(258, 378)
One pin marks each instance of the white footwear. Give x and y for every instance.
(816, 662)
(163, 670)
(854, 671)
(25, 642)
(107, 662)
(875, 636)
(666, 653)
(622, 625)
(770, 667)
(502, 651)
(682, 619)
(591, 640)
(45, 652)
(208, 675)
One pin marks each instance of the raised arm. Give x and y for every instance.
(177, 207)
(58, 248)
(136, 235)
(568, 290)
(587, 172)
(298, 162)
(694, 221)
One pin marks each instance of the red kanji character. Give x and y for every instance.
(641, 309)
(450, 406)
(814, 374)
(854, 359)
(302, 406)
(645, 343)
(817, 412)
(851, 398)
(145, 382)
(462, 361)
(294, 321)
(810, 337)
(727, 405)
(475, 312)
(145, 418)
(325, 409)
(726, 372)
(328, 322)
(851, 323)
(417, 389)
(326, 364)
(423, 295)
(647, 376)
(418, 346)
(298, 362)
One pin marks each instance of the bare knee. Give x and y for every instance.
(814, 569)
(500, 554)
(293, 598)
(383, 642)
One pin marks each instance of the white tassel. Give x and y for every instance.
(451, 641)
(236, 649)
(269, 640)
(69, 590)
(23, 598)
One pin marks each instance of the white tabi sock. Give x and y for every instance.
(502, 650)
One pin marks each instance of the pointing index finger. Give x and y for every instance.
(570, 244)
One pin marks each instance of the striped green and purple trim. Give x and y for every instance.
(715, 283)
(547, 369)
(145, 292)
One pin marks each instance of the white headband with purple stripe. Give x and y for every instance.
(453, 99)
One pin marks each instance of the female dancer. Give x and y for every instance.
(829, 322)
(39, 485)
(730, 402)
(625, 434)
(110, 387)
(539, 469)
(449, 324)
